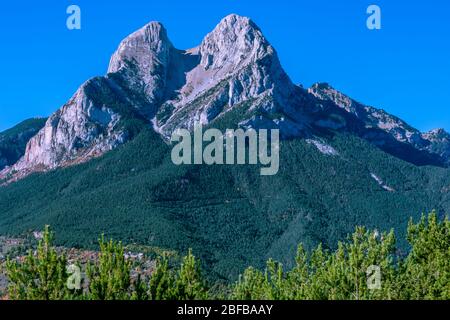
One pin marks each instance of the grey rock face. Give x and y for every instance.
(80, 130)
(372, 117)
(143, 61)
(233, 65)
(439, 142)
(436, 142)
(13, 141)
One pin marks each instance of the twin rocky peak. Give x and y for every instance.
(234, 69)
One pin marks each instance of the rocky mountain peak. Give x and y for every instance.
(325, 92)
(437, 134)
(82, 125)
(141, 47)
(439, 143)
(234, 42)
(433, 143)
(321, 86)
(141, 65)
(234, 68)
(13, 141)
(235, 65)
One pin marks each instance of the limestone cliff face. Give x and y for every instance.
(233, 65)
(142, 63)
(78, 131)
(13, 141)
(234, 68)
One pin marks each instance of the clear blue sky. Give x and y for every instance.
(403, 68)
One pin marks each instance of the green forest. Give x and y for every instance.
(230, 216)
(320, 274)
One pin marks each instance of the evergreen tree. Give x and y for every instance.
(190, 284)
(162, 282)
(342, 274)
(140, 290)
(110, 277)
(41, 275)
(251, 286)
(426, 271)
(298, 280)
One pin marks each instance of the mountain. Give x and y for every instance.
(387, 131)
(101, 163)
(439, 143)
(234, 69)
(14, 140)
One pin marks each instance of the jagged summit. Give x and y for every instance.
(142, 60)
(233, 66)
(235, 41)
(435, 143)
(321, 86)
(438, 133)
(233, 69)
(324, 91)
(141, 46)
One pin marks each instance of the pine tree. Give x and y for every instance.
(41, 275)
(341, 274)
(190, 284)
(298, 280)
(140, 290)
(251, 286)
(162, 282)
(110, 277)
(426, 271)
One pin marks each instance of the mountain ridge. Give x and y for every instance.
(234, 65)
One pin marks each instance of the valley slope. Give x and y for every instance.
(230, 215)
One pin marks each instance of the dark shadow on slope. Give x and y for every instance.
(331, 119)
(181, 62)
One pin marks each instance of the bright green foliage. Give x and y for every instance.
(251, 286)
(255, 285)
(343, 273)
(162, 282)
(346, 273)
(190, 284)
(298, 278)
(140, 290)
(324, 275)
(41, 275)
(427, 268)
(109, 278)
(187, 284)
